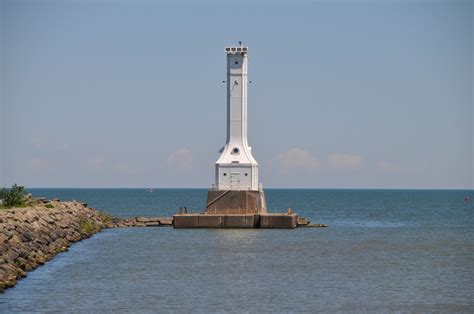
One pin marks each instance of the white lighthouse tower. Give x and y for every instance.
(236, 189)
(236, 169)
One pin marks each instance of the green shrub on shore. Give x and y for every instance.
(14, 197)
(106, 218)
(49, 206)
(87, 227)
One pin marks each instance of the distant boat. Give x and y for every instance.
(149, 190)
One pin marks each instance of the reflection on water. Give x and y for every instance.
(408, 256)
(242, 237)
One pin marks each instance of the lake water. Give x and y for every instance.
(384, 250)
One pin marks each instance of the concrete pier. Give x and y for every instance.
(264, 220)
(235, 209)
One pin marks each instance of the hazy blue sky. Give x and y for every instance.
(345, 94)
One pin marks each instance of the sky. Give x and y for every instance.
(344, 94)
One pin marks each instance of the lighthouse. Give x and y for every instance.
(236, 189)
(236, 169)
(236, 199)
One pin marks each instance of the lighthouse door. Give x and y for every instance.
(234, 180)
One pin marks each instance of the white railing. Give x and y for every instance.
(215, 187)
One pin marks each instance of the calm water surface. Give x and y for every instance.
(402, 251)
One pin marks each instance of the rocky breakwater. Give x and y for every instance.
(140, 222)
(31, 236)
(306, 223)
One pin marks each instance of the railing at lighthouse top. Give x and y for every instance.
(236, 50)
(216, 187)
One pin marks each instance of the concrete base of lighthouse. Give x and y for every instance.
(235, 209)
(225, 202)
(266, 221)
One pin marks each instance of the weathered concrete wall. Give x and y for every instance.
(235, 202)
(278, 221)
(241, 221)
(268, 221)
(186, 221)
(31, 236)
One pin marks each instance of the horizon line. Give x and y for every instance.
(269, 188)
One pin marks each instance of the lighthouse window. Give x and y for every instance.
(225, 174)
(246, 174)
(236, 62)
(235, 150)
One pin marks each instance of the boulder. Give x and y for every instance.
(154, 219)
(31, 216)
(152, 223)
(303, 221)
(48, 219)
(26, 236)
(65, 223)
(166, 221)
(316, 225)
(12, 254)
(15, 240)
